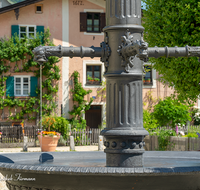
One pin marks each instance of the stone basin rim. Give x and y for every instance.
(73, 170)
(98, 170)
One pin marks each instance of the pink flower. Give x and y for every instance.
(177, 129)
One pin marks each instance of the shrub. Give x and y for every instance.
(149, 122)
(191, 135)
(164, 138)
(171, 112)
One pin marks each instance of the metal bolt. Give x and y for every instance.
(141, 144)
(114, 144)
(133, 144)
(122, 144)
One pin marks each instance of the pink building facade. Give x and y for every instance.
(73, 23)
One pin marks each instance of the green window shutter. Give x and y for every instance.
(10, 86)
(40, 29)
(14, 30)
(34, 86)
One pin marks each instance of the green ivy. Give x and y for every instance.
(81, 105)
(15, 49)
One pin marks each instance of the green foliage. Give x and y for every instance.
(89, 78)
(81, 105)
(164, 138)
(193, 129)
(56, 123)
(191, 135)
(175, 23)
(62, 126)
(149, 122)
(15, 49)
(96, 79)
(171, 112)
(78, 124)
(102, 92)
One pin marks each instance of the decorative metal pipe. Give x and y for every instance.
(43, 52)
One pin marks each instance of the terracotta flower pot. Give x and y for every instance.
(47, 143)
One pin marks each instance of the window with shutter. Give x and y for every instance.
(26, 30)
(21, 86)
(92, 22)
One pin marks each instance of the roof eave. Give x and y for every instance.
(18, 5)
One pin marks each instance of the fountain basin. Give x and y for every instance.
(86, 171)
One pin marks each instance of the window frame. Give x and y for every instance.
(29, 85)
(151, 76)
(101, 33)
(94, 82)
(27, 33)
(39, 5)
(95, 63)
(93, 22)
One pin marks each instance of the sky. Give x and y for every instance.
(143, 5)
(14, 1)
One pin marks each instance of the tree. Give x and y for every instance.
(170, 112)
(175, 23)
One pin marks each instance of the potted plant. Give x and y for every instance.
(96, 80)
(48, 138)
(90, 79)
(148, 80)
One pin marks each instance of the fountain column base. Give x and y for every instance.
(124, 151)
(124, 160)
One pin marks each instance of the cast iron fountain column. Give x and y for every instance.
(122, 52)
(124, 130)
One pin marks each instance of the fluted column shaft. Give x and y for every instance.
(124, 130)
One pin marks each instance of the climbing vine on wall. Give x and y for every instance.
(81, 105)
(19, 51)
